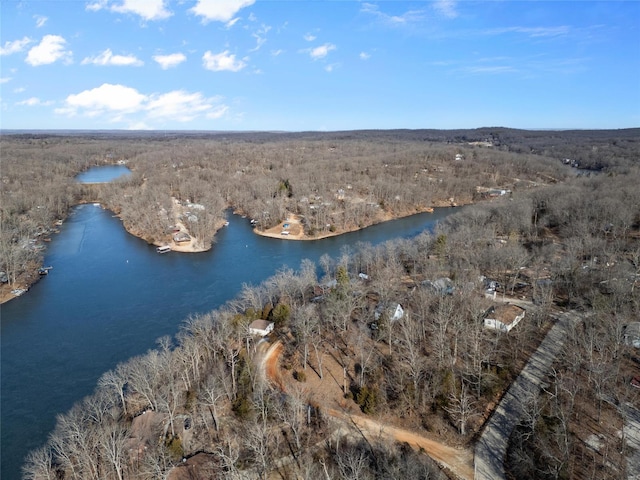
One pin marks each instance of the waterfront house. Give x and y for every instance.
(181, 237)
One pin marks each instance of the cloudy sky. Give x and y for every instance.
(318, 65)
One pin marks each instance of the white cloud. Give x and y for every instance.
(446, 8)
(179, 105)
(364, 56)
(97, 5)
(321, 51)
(40, 20)
(49, 50)
(5, 79)
(105, 98)
(231, 22)
(331, 67)
(218, 112)
(34, 102)
(408, 17)
(18, 89)
(147, 9)
(275, 53)
(489, 69)
(532, 31)
(219, 10)
(309, 37)
(108, 58)
(119, 103)
(169, 61)
(261, 36)
(15, 46)
(222, 61)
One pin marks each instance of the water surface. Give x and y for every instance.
(103, 174)
(109, 296)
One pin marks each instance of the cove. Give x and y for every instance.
(109, 296)
(103, 174)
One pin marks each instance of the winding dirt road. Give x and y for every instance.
(458, 462)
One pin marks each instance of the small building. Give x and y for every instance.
(503, 317)
(181, 237)
(441, 286)
(631, 335)
(394, 311)
(319, 291)
(261, 328)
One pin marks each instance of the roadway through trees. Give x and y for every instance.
(487, 462)
(491, 448)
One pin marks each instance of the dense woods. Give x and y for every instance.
(335, 182)
(207, 401)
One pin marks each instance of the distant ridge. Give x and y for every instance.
(512, 139)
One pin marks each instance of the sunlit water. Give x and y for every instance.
(103, 174)
(109, 296)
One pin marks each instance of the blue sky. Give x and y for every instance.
(318, 65)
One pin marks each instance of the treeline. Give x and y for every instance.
(336, 181)
(37, 191)
(203, 394)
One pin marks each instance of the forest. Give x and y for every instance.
(216, 402)
(334, 182)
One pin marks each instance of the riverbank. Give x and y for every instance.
(292, 228)
(193, 245)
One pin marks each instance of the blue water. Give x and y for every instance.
(103, 174)
(109, 296)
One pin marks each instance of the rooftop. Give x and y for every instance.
(506, 313)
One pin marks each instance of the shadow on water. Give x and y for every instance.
(109, 296)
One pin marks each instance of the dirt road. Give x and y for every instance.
(457, 462)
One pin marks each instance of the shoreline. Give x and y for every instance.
(295, 232)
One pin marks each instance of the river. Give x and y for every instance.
(103, 174)
(109, 296)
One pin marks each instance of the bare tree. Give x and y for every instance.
(169, 400)
(462, 407)
(210, 395)
(39, 465)
(353, 462)
(260, 441)
(113, 443)
(75, 445)
(304, 323)
(116, 381)
(293, 412)
(409, 349)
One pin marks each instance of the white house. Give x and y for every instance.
(261, 327)
(503, 317)
(394, 312)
